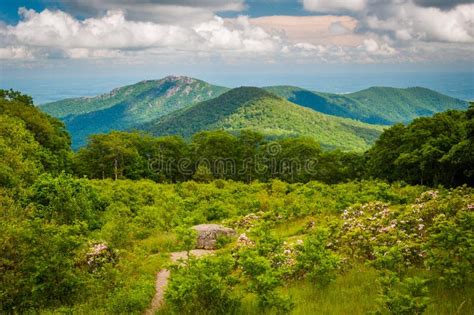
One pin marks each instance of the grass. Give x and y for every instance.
(299, 226)
(159, 242)
(352, 293)
(450, 301)
(291, 228)
(357, 292)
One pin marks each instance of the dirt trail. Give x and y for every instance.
(163, 276)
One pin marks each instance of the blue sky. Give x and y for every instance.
(263, 40)
(253, 8)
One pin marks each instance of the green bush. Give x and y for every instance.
(263, 280)
(64, 199)
(131, 298)
(404, 297)
(315, 261)
(450, 247)
(38, 265)
(186, 237)
(203, 286)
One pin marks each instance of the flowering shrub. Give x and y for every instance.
(436, 231)
(450, 247)
(264, 264)
(98, 256)
(376, 231)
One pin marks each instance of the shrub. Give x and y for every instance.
(186, 237)
(263, 280)
(450, 247)
(203, 285)
(314, 260)
(404, 297)
(64, 199)
(131, 298)
(43, 275)
(223, 240)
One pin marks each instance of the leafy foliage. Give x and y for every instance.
(64, 200)
(213, 155)
(31, 141)
(450, 247)
(203, 286)
(407, 297)
(261, 267)
(38, 264)
(19, 152)
(435, 150)
(316, 260)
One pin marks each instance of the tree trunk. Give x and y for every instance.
(116, 168)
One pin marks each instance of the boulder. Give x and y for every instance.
(207, 235)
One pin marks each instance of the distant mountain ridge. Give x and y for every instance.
(136, 105)
(259, 110)
(375, 105)
(129, 106)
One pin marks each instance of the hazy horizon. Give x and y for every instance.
(47, 89)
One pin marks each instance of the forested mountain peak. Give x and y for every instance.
(259, 110)
(130, 106)
(135, 93)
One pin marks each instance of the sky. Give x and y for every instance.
(228, 41)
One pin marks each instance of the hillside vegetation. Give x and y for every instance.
(31, 142)
(87, 232)
(129, 106)
(376, 105)
(257, 110)
(95, 247)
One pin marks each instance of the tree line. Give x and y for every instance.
(431, 151)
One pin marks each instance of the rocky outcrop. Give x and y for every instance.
(207, 235)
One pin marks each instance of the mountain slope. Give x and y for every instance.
(129, 106)
(376, 105)
(257, 109)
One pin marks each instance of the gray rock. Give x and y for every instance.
(208, 234)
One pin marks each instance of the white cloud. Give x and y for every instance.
(58, 34)
(317, 30)
(403, 30)
(334, 6)
(416, 20)
(411, 22)
(371, 46)
(378, 33)
(236, 34)
(15, 53)
(112, 31)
